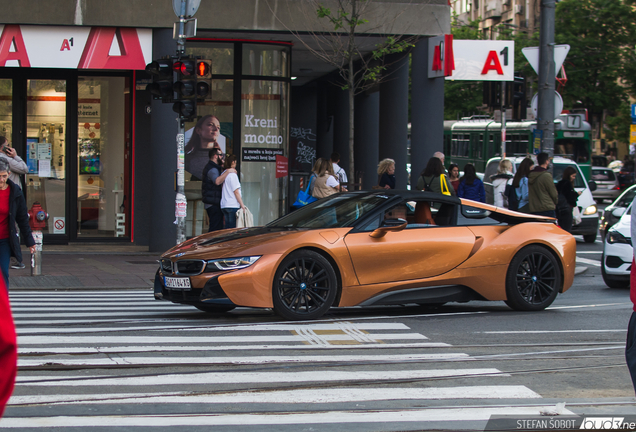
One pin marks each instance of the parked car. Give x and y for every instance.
(607, 184)
(588, 227)
(373, 248)
(615, 210)
(616, 261)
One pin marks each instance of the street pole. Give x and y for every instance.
(181, 203)
(503, 120)
(545, 108)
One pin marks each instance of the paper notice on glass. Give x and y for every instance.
(44, 150)
(44, 168)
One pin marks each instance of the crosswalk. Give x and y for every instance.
(121, 359)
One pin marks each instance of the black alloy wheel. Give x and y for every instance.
(305, 286)
(533, 280)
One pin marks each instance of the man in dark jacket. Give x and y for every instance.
(212, 187)
(542, 193)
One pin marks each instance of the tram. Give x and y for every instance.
(478, 138)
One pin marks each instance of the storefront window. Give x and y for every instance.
(46, 150)
(264, 133)
(101, 141)
(265, 60)
(6, 107)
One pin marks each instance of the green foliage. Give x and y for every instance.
(617, 125)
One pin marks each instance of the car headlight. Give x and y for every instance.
(615, 237)
(231, 263)
(590, 210)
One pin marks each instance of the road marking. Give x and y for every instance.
(590, 306)
(252, 377)
(120, 306)
(588, 261)
(305, 396)
(59, 340)
(158, 314)
(551, 331)
(246, 360)
(326, 417)
(590, 252)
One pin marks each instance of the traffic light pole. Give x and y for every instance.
(547, 75)
(181, 203)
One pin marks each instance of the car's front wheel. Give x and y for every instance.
(305, 286)
(533, 279)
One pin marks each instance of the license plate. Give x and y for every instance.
(177, 283)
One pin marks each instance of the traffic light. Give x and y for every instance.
(161, 86)
(185, 88)
(204, 78)
(492, 94)
(517, 97)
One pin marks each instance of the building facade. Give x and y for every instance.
(101, 153)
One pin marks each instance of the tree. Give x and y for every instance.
(600, 64)
(345, 45)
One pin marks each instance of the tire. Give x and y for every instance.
(214, 308)
(305, 286)
(589, 238)
(613, 281)
(533, 279)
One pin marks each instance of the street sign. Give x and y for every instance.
(532, 55)
(191, 7)
(483, 60)
(558, 104)
(633, 113)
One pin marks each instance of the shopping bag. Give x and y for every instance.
(576, 216)
(244, 218)
(443, 185)
(304, 198)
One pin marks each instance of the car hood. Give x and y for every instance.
(624, 225)
(233, 243)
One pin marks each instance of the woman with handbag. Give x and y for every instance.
(231, 200)
(434, 178)
(325, 184)
(567, 198)
(470, 187)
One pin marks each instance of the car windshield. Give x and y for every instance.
(603, 175)
(336, 211)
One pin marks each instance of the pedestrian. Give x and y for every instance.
(499, 181)
(386, 173)
(439, 155)
(326, 183)
(567, 197)
(231, 200)
(314, 175)
(18, 168)
(520, 184)
(212, 189)
(542, 194)
(339, 173)
(8, 350)
(431, 177)
(12, 211)
(453, 175)
(470, 186)
(630, 345)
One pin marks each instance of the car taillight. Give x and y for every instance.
(616, 188)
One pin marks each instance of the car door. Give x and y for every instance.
(418, 251)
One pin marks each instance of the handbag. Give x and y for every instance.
(304, 198)
(576, 216)
(443, 185)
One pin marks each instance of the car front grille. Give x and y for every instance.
(614, 261)
(189, 267)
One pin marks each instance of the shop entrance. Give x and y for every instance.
(73, 133)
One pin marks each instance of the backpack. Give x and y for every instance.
(510, 197)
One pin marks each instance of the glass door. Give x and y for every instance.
(46, 149)
(6, 107)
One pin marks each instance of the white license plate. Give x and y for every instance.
(177, 283)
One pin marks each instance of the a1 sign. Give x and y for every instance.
(483, 60)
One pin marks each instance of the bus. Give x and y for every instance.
(478, 138)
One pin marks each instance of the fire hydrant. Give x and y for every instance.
(37, 221)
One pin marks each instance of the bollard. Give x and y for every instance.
(36, 258)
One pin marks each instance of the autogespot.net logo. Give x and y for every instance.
(596, 423)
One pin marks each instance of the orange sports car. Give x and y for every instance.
(373, 248)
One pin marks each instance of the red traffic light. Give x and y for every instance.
(185, 67)
(203, 69)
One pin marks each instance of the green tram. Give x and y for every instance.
(477, 139)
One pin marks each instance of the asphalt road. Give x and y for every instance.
(122, 361)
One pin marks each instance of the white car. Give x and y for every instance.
(616, 261)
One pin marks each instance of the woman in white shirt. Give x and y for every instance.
(231, 200)
(326, 183)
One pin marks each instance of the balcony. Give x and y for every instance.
(494, 8)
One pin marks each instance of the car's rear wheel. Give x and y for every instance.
(305, 286)
(214, 308)
(589, 238)
(533, 279)
(613, 281)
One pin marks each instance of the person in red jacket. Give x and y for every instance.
(630, 346)
(8, 349)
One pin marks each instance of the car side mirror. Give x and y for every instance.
(388, 225)
(618, 212)
(592, 185)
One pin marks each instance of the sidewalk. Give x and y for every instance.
(88, 266)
